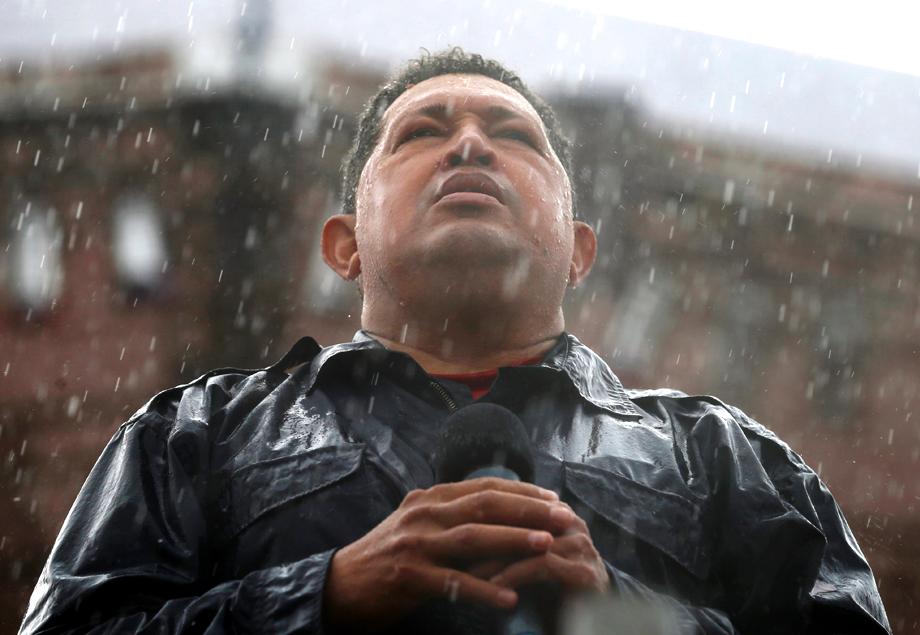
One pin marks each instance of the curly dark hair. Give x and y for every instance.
(454, 60)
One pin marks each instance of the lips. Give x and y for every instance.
(475, 182)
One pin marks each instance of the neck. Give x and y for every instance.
(455, 345)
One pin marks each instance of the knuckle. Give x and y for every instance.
(407, 542)
(495, 500)
(416, 513)
(483, 501)
(503, 484)
(491, 482)
(439, 490)
(413, 497)
(460, 534)
(583, 542)
(466, 535)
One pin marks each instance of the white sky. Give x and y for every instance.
(838, 79)
(878, 33)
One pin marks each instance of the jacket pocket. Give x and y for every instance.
(669, 523)
(255, 490)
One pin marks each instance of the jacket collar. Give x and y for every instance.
(590, 375)
(586, 371)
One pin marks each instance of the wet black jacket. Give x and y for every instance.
(217, 507)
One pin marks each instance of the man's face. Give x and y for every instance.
(464, 186)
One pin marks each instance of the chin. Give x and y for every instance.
(473, 245)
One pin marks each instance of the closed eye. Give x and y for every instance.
(419, 133)
(516, 135)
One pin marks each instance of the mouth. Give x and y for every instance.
(470, 187)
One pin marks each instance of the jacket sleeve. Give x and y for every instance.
(783, 558)
(789, 562)
(132, 555)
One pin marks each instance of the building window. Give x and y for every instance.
(36, 264)
(138, 245)
(646, 312)
(836, 383)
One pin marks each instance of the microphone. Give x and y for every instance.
(481, 440)
(601, 615)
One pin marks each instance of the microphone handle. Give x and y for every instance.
(525, 620)
(495, 471)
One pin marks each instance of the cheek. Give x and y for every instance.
(562, 193)
(547, 199)
(394, 188)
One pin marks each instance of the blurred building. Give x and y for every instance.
(156, 223)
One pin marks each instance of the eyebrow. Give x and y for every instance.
(441, 111)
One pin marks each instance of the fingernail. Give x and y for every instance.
(550, 495)
(507, 597)
(540, 539)
(562, 514)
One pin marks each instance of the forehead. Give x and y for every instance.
(460, 93)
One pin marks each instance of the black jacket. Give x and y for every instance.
(218, 506)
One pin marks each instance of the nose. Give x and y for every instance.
(470, 146)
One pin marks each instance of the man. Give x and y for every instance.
(302, 497)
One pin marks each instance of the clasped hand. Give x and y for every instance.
(475, 541)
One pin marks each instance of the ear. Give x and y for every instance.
(340, 247)
(583, 254)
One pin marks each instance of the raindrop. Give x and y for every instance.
(729, 192)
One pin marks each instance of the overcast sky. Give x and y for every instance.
(718, 77)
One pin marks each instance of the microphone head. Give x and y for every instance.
(483, 435)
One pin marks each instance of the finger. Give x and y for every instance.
(578, 524)
(549, 567)
(450, 491)
(485, 570)
(438, 582)
(504, 508)
(478, 541)
(574, 545)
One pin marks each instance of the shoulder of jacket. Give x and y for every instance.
(165, 402)
(207, 392)
(710, 418)
(699, 406)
